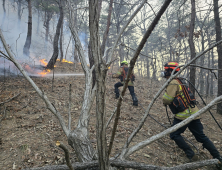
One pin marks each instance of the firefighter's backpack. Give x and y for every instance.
(124, 74)
(185, 99)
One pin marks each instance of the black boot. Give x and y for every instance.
(135, 100)
(117, 95)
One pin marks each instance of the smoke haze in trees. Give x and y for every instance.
(15, 27)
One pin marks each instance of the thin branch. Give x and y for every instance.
(10, 99)
(107, 124)
(68, 163)
(193, 65)
(75, 9)
(211, 69)
(151, 8)
(5, 56)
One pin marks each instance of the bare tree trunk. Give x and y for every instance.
(61, 38)
(212, 76)
(105, 35)
(29, 33)
(3, 19)
(48, 18)
(201, 77)
(101, 71)
(219, 52)
(19, 12)
(3, 5)
(191, 44)
(54, 57)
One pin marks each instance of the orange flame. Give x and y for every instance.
(44, 72)
(65, 61)
(43, 62)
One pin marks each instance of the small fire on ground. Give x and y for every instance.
(65, 61)
(46, 71)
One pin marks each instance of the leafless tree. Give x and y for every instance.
(78, 138)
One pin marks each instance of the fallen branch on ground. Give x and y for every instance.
(9, 99)
(130, 164)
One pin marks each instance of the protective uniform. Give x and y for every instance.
(173, 89)
(119, 84)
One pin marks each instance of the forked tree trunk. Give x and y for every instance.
(29, 33)
(219, 52)
(191, 44)
(55, 54)
(101, 71)
(79, 138)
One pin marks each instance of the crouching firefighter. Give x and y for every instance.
(183, 104)
(121, 74)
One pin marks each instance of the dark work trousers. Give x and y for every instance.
(196, 128)
(131, 90)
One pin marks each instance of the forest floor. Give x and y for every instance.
(28, 132)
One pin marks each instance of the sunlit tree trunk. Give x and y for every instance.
(29, 33)
(219, 52)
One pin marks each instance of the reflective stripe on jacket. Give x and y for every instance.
(174, 88)
(120, 73)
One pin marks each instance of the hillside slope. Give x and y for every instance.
(29, 131)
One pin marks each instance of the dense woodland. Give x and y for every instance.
(99, 35)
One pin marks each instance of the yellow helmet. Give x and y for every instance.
(124, 62)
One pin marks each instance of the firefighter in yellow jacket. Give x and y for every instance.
(121, 74)
(170, 97)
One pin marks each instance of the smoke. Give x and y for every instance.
(14, 28)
